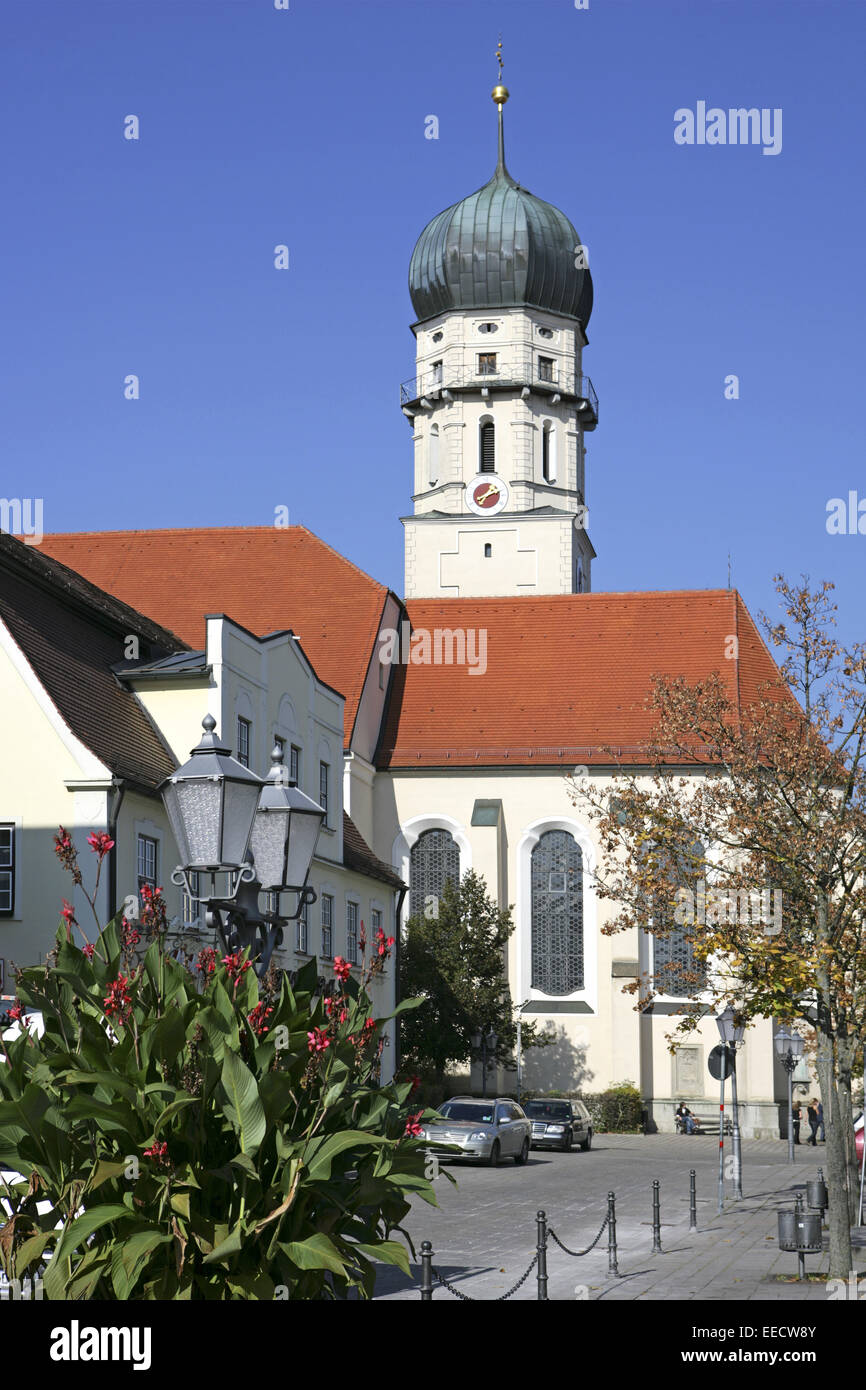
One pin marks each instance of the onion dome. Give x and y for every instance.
(499, 248)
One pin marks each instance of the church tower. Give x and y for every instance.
(499, 405)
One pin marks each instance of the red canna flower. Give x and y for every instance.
(342, 968)
(413, 1129)
(100, 842)
(118, 1001)
(206, 960)
(88, 950)
(317, 1040)
(235, 967)
(17, 1011)
(67, 912)
(159, 1151)
(257, 1019)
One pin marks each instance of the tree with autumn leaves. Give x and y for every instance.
(738, 801)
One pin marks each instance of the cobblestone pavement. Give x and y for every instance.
(484, 1232)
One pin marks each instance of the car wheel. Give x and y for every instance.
(568, 1142)
(588, 1142)
(493, 1156)
(524, 1153)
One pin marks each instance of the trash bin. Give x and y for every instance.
(816, 1194)
(800, 1232)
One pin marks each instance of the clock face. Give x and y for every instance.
(486, 494)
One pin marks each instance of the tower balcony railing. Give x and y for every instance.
(420, 392)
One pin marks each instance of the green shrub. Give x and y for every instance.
(200, 1134)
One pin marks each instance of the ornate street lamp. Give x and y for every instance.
(285, 830)
(731, 1033)
(261, 836)
(790, 1046)
(210, 803)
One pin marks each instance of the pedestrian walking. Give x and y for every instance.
(795, 1116)
(822, 1137)
(812, 1116)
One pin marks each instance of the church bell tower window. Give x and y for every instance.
(487, 447)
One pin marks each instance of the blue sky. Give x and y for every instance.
(262, 388)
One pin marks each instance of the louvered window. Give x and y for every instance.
(557, 914)
(488, 448)
(435, 859)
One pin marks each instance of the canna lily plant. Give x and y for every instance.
(183, 1130)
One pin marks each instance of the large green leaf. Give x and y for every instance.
(56, 1276)
(316, 1252)
(320, 1153)
(243, 1107)
(388, 1252)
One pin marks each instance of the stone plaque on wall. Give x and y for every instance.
(688, 1072)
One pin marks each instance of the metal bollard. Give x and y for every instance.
(657, 1221)
(801, 1258)
(612, 1266)
(541, 1248)
(693, 1201)
(426, 1272)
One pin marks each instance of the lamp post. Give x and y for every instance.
(256, 836)
(731, 1033)
(789, 1047)
(484, 1044)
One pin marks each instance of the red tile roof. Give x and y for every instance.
(567, 675)
(264, 577)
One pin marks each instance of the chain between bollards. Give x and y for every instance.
(426, 1272)
(612, 1266)
(657, 1220)
(693, 1201)
(541, 1249)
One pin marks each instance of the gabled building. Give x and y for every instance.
(102, 704)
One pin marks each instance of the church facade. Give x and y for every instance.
(476, 703)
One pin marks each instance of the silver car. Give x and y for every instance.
(484, 1130)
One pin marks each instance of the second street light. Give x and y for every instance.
(485, 1046)
(731, 1033)
(790, 1046)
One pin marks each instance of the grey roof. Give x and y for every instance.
(179, 664)
(501, 247)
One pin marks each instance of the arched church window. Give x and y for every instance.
(433, 860)
(557, 914)
(676, 972)
(433, 456)
(487, 447)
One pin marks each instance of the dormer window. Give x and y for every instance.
(545, 332)
(488, 328)
(437, 337)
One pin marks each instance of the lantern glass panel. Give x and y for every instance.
(302, 842)
(241, 799)
(268, 844)
(198, 807)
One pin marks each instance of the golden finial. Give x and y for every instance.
(500, 94)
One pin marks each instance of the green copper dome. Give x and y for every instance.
(499, 248)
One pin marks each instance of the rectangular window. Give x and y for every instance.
(352, 933)
(327, 926)
(148, 860)
(437, 373)
(487, 364)
(295, 764)
(191, 909)
(7, 870)
(244, 727)
(303, 929)
(324, 779)
(546, 369)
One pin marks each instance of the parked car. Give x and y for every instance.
(484, 1130)
(559, 1124)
